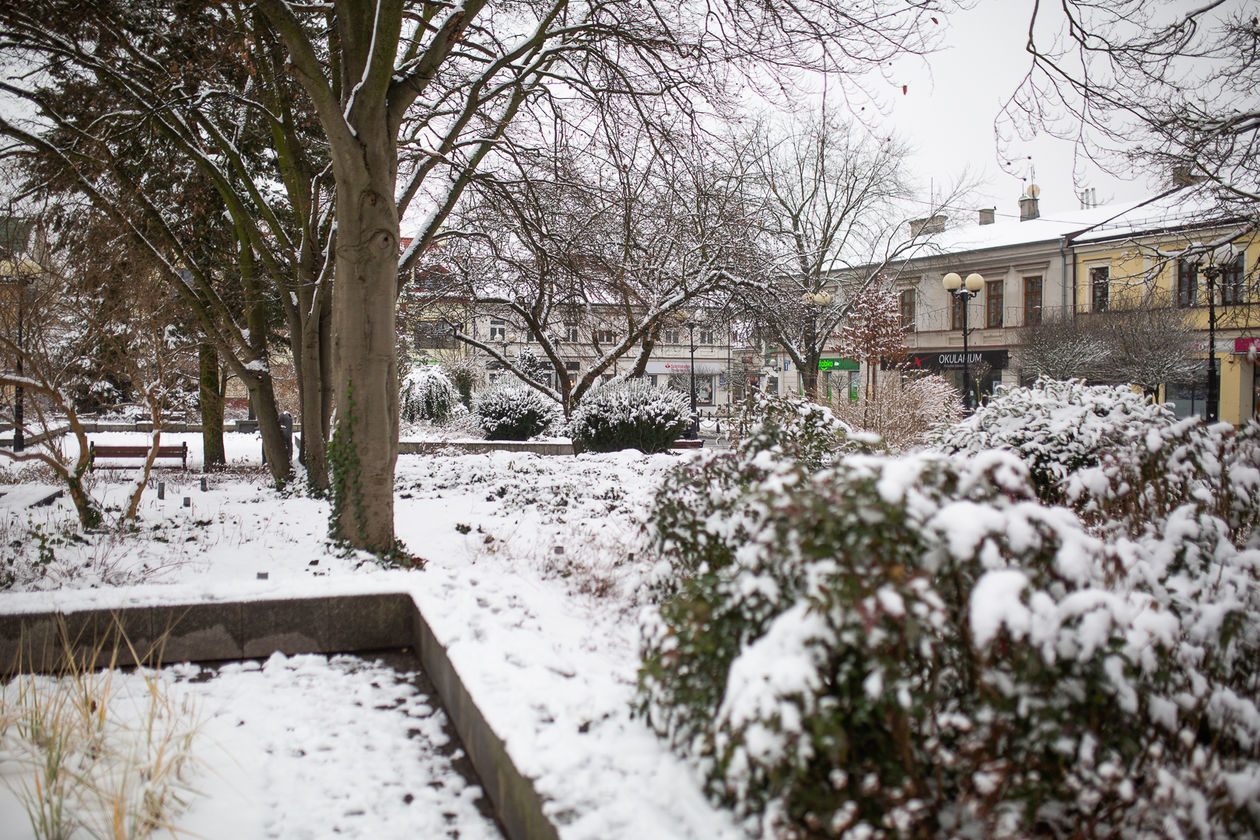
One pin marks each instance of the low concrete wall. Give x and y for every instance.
(473, 447)
(213, 632)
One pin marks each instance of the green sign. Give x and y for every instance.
(837, 364)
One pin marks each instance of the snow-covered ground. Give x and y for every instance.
(530, 580)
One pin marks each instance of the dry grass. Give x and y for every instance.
(96, 752)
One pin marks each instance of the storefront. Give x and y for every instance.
(986, 367)
(677, 374)
(1247, 355)
(840, 374)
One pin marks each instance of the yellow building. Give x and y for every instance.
(1175, 250)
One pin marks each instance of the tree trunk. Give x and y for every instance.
(211, 396)
(313, 382)
(262, 398)
(364, 446)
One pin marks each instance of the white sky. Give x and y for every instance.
(950, 104)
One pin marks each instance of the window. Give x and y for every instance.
(673, 335)
(498, 329)
(605, 337)
(1099, 288)
(1187, 283)
(956, 313)
(1233, 292)
(1032, 301)
(571, 331)
(435, 335)
(907, 310)
(705, 336)
(994, 297)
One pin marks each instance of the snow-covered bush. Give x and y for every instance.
(1058, 428)
(904, 411)
(628, 414)
(916, 647)
(513, 412)
(713, 484)
(427, 394)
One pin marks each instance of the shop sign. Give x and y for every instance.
(837, 364)
(953, 359)
(1247, 345)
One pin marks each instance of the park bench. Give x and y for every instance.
(136, 453)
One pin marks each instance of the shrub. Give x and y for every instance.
(513, 412)
(1058, 428)
(904, 411)
(713, 485)
(916, 647)
(427, 394)
(628, 414)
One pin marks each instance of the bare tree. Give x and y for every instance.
(1147, 345)
(591, 253)
(832, 219)
(1164, 87)
(183, 127)
(873, 330)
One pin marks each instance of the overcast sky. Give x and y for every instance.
(950, 103)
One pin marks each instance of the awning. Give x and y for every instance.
(684, 367)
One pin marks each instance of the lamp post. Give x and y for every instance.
(1218, 260)
(693, 430)
(813, 301)
(964, 291)
(19, 395)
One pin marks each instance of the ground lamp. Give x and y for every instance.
(964, 291)
(1218, 260)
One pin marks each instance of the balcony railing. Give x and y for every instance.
(1013, 317)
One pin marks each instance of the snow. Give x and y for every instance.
(536, 619)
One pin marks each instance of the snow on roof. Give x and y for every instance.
(1011, 232)
(1187, 207)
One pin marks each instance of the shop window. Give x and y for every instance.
(994, 300)
(1100, 288)
(1032, 301)
(1187, 283)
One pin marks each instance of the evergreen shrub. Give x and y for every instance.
(427, 395)
(861, 646)
(629, 414)
(513, 412)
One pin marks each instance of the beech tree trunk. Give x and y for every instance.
(364, 447)
(211, 397)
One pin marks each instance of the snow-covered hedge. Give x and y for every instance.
(1058, 428)
(629, 414)
(513, 412)
(917, 647)
(427, 394)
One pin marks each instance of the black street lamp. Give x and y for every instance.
(1218, 262)
(964, 291)
(19, 395)
(693, 430)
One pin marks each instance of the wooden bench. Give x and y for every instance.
(136, 453)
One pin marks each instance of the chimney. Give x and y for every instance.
(1028, 203)
(1183, 177)
(987, 215)
(932, 224)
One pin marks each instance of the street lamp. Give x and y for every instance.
(693, 430)
(964, 291)
(1218, 260)
(813, 302)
